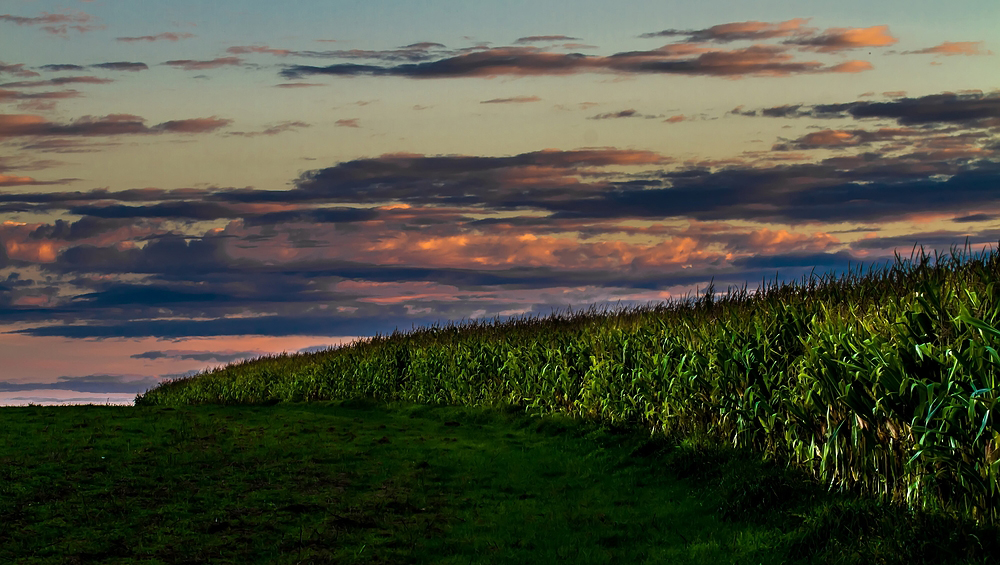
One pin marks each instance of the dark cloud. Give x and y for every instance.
(929, 240)
(191, 65)
(84, 228)
(314, 216)
(62, 68)
(182, 209)
(976, 218)
(512, 100)
(219, 356)
(758, 60)
(58, 81)
(630, 113)
(972, 109)
(121, 66)
(840, 258)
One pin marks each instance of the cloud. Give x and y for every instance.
(84, 228)
(347, 123)
(57, 24)
(835, 40)
(273, 130)
(58, 81)
(951, 48)
(190, 65)
(121, 66)
(420, 51)
(970, 109)
(89, 383)
(181, 355)
(25, 125)
(544, 39)
(756, 60)
(512, 100)
(313, 216)
(739, 31)
(194, 125)
(16, 70)
(165, 36)
(298, 84)
(839, 139)
(17, 180)
(250, 49)
(13, 95)
(60, 68)
(630, 113)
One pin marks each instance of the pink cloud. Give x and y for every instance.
(24, 125)
(246, 50)
(16, 70)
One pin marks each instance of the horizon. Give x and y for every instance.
(184, 186)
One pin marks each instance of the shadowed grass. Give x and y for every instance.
(360, 482)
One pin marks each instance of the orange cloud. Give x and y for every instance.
(834, 40)
(852, 67)
(11, 180)
(782, 241)
(35, 252)
(951, 48)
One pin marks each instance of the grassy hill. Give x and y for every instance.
(882, 382)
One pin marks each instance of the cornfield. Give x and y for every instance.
(884, 382)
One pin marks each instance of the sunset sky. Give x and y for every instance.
(184, 184)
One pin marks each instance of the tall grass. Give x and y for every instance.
(883, 381)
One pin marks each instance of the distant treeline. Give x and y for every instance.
(883, 381)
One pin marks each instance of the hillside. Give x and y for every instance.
(882, 382)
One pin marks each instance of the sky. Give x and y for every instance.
(186, 184)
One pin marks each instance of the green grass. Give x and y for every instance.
(362, 482)
(885, 382)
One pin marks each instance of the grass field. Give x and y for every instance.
(885, 380)
(362, 482)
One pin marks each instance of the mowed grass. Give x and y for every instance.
(360, 482)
